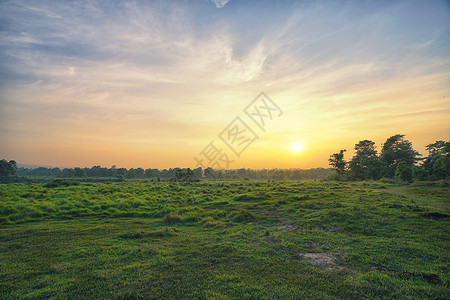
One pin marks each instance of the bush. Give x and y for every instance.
(387, 180)
(343, 176)
(60, 182)
(403, 172)
(419, 173)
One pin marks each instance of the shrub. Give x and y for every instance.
(387, 180)
(419, 173)
(403, 172)
(60, 182)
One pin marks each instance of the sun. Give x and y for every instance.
(296, 147)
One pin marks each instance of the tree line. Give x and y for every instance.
(397, 159)
(174, 174)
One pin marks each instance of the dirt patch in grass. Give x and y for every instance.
(430, 277)
(323, 260)
(269, 239)
(436, 216)
(325, 228)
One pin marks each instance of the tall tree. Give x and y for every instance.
(437, 164)
(185, 175)
(7, 168)
(338, 162)
(397, 149)
(365, 164)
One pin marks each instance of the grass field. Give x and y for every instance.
(220, 240)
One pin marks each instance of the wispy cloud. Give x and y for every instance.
(220, 3)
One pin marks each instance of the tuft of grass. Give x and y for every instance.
(245, 217)
(171, 218)
(140, 234)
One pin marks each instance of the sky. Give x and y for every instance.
(161, 84)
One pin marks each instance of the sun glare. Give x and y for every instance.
(296, 147)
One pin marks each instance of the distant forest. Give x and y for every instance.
(177, 174)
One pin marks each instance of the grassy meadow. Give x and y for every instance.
(224, 240)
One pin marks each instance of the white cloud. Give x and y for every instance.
(220, 3)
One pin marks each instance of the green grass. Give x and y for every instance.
(224, 240)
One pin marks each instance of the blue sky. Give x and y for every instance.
(150, 83)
